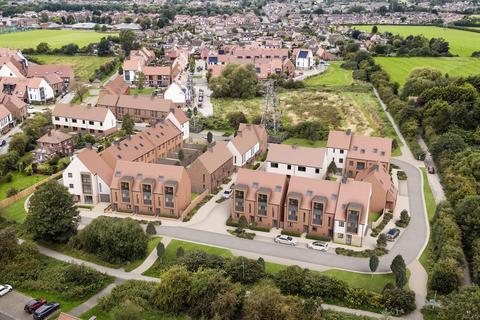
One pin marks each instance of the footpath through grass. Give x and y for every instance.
(353, 279)
(431, 207)
(152, 245)
(54, 38)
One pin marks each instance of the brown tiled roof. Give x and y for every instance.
(153, 71)
(54, 136)
(310, 188)
(160, 173)
(14, 69)
(245, 140)
(34, 82)
(12, 101)
(215, 157)
(117, 86)
(352, 191)
(339, 140)
(96, 164)
(133, 64)
(161, 132)
(53, 78)
(80, 112)
(370, 148)
(256, 179)
(4, 112)
(145, 102)
(109, 100)
(41, 70)
(380, 174)
(302, 156)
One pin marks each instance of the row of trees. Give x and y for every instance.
(412, 46)
(446, 111)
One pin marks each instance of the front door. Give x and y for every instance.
(349, 239)
(305, 229)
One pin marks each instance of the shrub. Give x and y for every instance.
(151, 229)
(312, 236)
(291, 233)
(180, 252)
(12, 191)
(259, 228)
(9, 177)
(404, 219)
(361, 254)
(194, 260)
(387, 216)
(115, 240)
(401, 175)
(399, 301)
(242, 234)
(244, 270)
(444, 277)
(382, 240)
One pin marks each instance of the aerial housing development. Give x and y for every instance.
(239, 160)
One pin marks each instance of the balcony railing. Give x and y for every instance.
(239, 206)
(292, 215)
(317, 219)
(262, 210)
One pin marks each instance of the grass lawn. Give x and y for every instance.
(146, 315)
(55, 38)
(79, 254)
(356, 280)
(145, 91)
(16, 211)
(373, 216)
(305, 142)
(152, 244)
(83, 66)
(250, 107)
(462, 43)
(20, 181)
(431, 206)
(399, 68)
(334, 76)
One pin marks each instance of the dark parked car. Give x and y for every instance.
(2, 143)
(44, 311)
(34, 304)
(392, 234)
(431, 169)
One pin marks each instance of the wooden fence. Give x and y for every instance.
(25, 192)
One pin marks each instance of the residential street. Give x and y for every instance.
(7, 137)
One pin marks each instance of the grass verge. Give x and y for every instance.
(152, 244)
(431, 206)
(15, 211)
(20, 181)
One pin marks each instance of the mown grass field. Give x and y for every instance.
(399, 68)
(16, 211)
(334, 76)
(462, 43)
(20, 181)
(83, 66)
(55, 38)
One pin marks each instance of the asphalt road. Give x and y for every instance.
(409, 244)
(11, 306)
(7, 137)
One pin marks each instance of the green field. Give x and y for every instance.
(15, 211)
(334, 76)
(55, 38)
(83, 66)
(400, 68)
(461, 42)
(20, 181)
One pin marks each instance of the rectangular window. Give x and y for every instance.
(74, 120)
(317, 213)
(341, 224)
(292, 209)
(86, 184)
(70, 175)
(169, 197)
(340, 236)
(239, 201)
(147, 194)
(57, 118)
(125, 190)
(303, 169)
(340, 160)
(273, 164)
(289, 167)
(341, 151)
(70, 185)
(317, 170)
(90, 122)
(262, 204)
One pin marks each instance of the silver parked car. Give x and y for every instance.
(284, 239)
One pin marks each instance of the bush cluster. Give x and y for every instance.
(387, 216)
(361, 254)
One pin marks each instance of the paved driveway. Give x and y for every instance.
(11, 306)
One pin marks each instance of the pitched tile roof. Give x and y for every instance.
(352, 191)
(255, 179)
(42, 70)
(96, 164)
(302, 156)
(339, 139)
(80, 112)
(310, 188)
(215, 156)
(54, 136)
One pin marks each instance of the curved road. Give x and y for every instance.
(409, 244)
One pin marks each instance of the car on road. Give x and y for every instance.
(284, 239)
(4, 289)
(318, 245)
(393, 234)
(2, 143)
(44, 311)
(227, 193)
(431, 169)
(34, 304)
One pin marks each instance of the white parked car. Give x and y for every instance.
(227, 193)
(4, 289)
(284, 239)
(318, 245)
